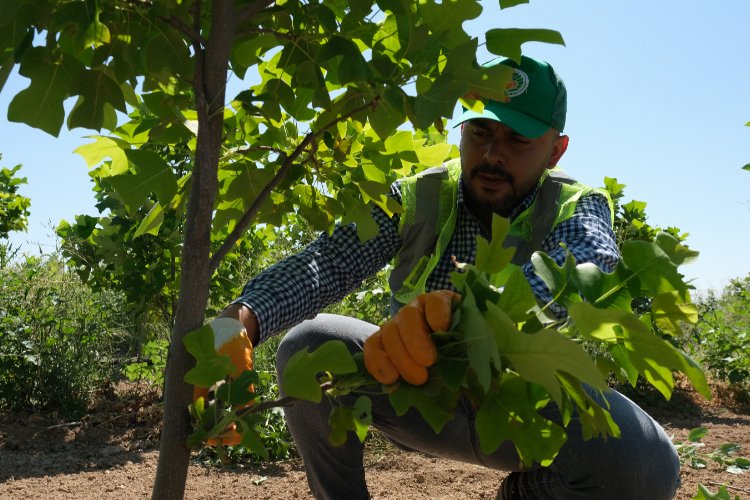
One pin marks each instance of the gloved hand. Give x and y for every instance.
(402, 346)
(230, 338)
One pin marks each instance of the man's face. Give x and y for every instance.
(501, 167)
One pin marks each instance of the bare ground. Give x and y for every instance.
(112, 453)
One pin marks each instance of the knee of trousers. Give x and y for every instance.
(311, 334)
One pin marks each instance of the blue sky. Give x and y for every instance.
(658, 97)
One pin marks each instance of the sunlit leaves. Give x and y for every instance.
(150, 174)
(507, 42)
(557, 354)
(102, 148)
(651, 356)
(510, 414)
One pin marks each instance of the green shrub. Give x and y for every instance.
(59, 341)
(722, 335)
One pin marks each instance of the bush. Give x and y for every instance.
(59, 341)
(722, 335)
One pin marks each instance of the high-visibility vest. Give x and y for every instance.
(429, 218)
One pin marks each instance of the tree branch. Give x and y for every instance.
(251, 30)
(244, 221)
(193, 35)
(729, 487)
(242, 151)
(249, 11)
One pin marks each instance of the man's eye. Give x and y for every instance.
(521, 139)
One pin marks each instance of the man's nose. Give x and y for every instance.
(495, 152)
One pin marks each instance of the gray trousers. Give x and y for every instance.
(642, 464)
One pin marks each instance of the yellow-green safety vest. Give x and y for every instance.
(429, 218)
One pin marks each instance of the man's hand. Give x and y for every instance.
(230, 338)
(403, 347)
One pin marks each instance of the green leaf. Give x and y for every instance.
(152, 175)
(653, 357)
(151, 222)
(606, 290)
(504, 4)
(492, 257)
(405, 396)
(510, 415)
(555, 352)
(654, 267)
(516, 299)
(388, 114)
(210, 367)
(300, 379)
(357, 212)
(357, 419)
(445, 19)
(476, 333)
(559, 279)
(96, 89)
(252, 440)
(507, 42)
(746, 167)
(695, 435)
(236, 392)
(105, 147)
(40, 105)
(678, 253)
(668, 311)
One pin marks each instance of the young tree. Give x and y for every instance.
(14, 208)
(316, 131)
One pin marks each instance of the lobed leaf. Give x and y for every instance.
(300, 378)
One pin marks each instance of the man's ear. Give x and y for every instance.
(559, 148)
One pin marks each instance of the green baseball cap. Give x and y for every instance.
(536, 99)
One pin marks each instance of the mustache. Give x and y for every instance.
(486, 168)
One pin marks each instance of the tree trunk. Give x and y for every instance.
(209, 86)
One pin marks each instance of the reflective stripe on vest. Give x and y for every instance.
(429, 218)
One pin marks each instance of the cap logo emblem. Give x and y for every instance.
(518, 84)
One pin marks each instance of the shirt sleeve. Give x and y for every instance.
(300, 286)
(588, 235)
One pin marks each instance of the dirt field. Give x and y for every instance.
(112, 453)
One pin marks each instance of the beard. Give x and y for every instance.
(504, 206)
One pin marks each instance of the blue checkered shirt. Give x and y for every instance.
(332, 266)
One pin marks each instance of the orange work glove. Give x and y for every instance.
(230, 338)
(402, 347)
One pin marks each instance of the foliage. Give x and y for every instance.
(722, 335)
(274, 434)
(631, 220)
(59, 341)
(151, 369)
(690, 453)
(14, 208)
(504, 354)
(370, 302)
(332, 90)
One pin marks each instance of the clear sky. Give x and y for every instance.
(658, 97)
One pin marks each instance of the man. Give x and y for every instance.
(507, 154)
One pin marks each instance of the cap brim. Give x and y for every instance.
(520, 122)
